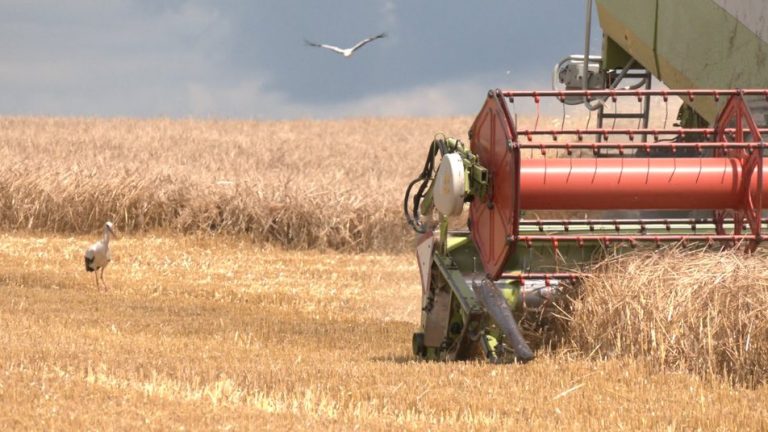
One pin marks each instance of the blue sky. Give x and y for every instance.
(237, 59)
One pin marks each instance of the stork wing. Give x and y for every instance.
(330, 47)
(365, 41)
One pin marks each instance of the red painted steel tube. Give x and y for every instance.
(678, 132)
(673, 146)
(620, 224)
(635, 93)
(650, 238)
(632, 184)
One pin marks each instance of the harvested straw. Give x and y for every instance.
(682, 309)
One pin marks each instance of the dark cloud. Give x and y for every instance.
(247, 59)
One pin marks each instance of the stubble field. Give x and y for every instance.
(215, 321)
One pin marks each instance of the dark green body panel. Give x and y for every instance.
(686, 44)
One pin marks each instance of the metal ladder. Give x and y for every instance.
(643, 115)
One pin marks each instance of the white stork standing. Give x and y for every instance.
(97, 256)
(346, 52)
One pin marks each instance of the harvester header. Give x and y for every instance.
(474, 280)
(725, 177)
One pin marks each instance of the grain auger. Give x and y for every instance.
(609, 189)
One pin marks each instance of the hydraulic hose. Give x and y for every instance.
(413, 217)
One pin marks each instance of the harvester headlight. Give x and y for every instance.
(449, 189)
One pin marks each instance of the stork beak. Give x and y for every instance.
(114, 233)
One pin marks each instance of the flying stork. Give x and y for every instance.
(97, 256)
(346, 52)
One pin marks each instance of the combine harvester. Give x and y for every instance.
(698, 183)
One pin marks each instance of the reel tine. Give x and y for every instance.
(562, 122)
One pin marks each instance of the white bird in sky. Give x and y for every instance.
(97, 256)
(346, 52)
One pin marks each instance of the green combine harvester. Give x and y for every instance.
(700, 182)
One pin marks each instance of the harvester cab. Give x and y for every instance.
(602, 189)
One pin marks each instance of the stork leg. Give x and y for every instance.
(96, 275)
(103, 281)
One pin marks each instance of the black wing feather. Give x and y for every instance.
(88, 263)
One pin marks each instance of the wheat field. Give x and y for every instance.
(264, 281)
(300, 184)
(201, 333)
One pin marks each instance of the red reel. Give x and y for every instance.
(494, 218)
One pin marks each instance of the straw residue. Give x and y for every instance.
(695, 310)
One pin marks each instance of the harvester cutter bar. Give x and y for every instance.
(546, 277)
